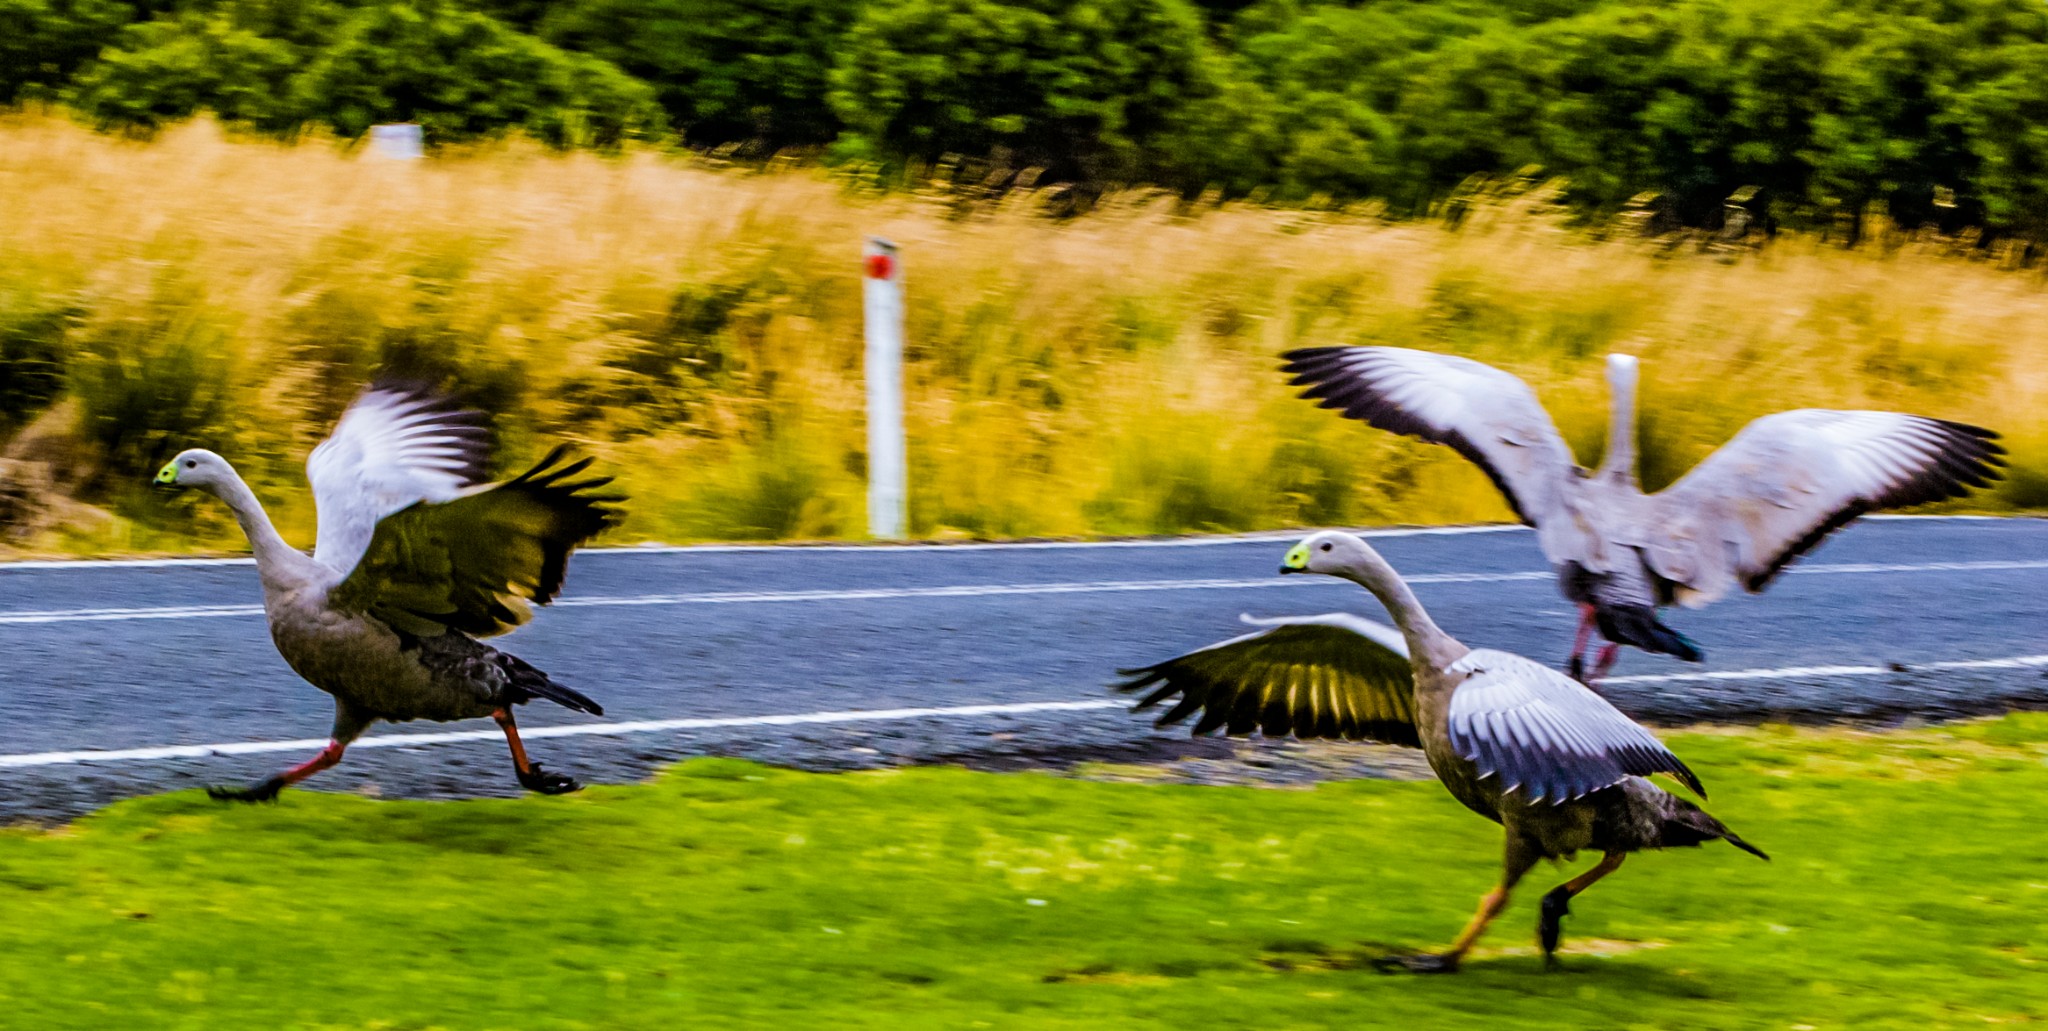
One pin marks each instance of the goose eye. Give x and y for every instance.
(1326, 545)
(194, 464)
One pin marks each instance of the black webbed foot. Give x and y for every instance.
(1576, 669)
(1418, 963)
(1556, 906)
(547, 782)
(262, 791)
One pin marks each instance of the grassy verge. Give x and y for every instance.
(700, 330)
(1907, 891)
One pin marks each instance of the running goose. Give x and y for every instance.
(1741, 516)
(412, 563)
(1518, 743)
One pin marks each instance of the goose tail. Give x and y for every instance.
(533, 683)
(1686, 824)
(1638, 625)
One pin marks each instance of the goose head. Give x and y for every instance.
(196, 467)
(1330, 552)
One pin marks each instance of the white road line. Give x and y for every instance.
(880, 548)
(230, 748)
(976, 591)
(883, 549)
(582, 730)
(1807, 672)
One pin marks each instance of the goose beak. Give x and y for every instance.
(1296, 560)
(166, 477)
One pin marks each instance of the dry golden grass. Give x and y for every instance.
(699, 329)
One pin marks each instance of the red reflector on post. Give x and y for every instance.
(880, 266)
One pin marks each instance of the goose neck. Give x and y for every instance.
(1427, 643)
(1619, 464)
(277, 563)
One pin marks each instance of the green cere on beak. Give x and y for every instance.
(168, 474)
(1296, 560)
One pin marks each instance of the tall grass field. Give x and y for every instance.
(698, 328)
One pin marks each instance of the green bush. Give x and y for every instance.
(149, 385)
(461, 75)
(43, 41)
(277, 65)
(165, 71)
(1825, 110)
(725, 71)
(1079, 87)
(34, 348)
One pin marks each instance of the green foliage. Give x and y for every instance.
(276, 65)
(1079, 87)
(42, 42)
(148, 385)
(1826, 110)
(34, 350)
(165, 71)
(461, 74)
(726, 71)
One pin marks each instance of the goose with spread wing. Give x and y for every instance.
(414, 561)
(1740, 517)
(1529, 748)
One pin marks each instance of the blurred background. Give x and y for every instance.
(637, 226)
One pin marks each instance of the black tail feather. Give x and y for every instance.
(533, 683)
(1731, 838)
(1639, 626)
(1687, 825)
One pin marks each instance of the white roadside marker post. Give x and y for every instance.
(882, 278)
(402, 142)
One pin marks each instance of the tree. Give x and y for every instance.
(43, 41)
(725, 71)
(1081, 88)
(461, 74)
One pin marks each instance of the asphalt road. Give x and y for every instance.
(123, 678)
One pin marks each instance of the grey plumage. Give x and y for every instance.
(415, 560)
(1556, 765)
(1768, 496)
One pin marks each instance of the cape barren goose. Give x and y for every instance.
(413, 562)
(1518, 743)
(1741, 516)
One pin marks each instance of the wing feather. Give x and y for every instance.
(1545, 735)
(1331, 676)
(1788, 480)
(478, 563)
(396, 445)
(1484, 414)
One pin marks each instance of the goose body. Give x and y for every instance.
(1556, 765)
(1768, 496)
(415, 561)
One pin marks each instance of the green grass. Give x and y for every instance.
(1907, 891)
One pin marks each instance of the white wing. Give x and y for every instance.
(1335, 675)
(395, 446)
(1545, 734)
(1788, 480)
(1487, 415)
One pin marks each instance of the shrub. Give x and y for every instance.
(461, 75)
(43, 41)
(164, 71)
(149, 385)
(1078, 87)
(725, 71)
(34, 347)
